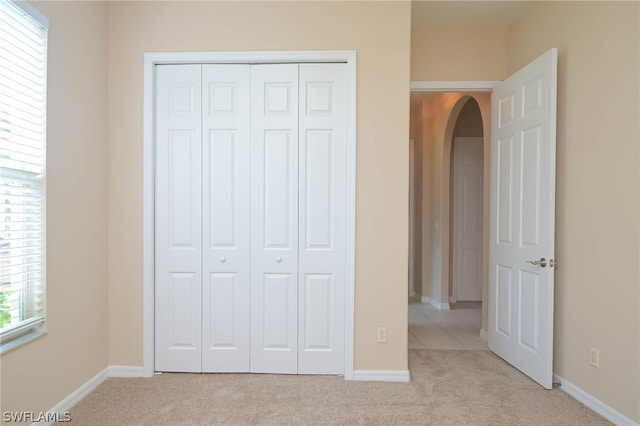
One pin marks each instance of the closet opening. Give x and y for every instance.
(302, 120)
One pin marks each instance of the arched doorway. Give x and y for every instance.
(466, 205)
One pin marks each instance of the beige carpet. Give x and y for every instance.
(447, 388)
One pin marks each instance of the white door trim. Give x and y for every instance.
(412, 246)
(453, 86)
(152, 59)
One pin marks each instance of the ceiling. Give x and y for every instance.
(474, 13)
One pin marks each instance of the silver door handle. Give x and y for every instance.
(278, 259)
(223, 259)
(542, 262)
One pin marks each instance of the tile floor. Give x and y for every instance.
(459, 328)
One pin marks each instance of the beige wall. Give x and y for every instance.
(597, 189)
(435, 111)
(37, 376)
(458, 53)
(380, 32)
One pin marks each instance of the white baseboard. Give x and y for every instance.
(381, 375)
(441, 306)
(75, 397)
(438, 305)
(125, 371)
(484, 334)
(84, 390)
(594, 403)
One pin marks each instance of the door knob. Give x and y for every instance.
(223, 259)
(278, 259)
(542, 262)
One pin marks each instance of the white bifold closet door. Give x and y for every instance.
(178, 221)
(322, 165)
(298, 163)
(250, 218)
(202, 212)
(226, 251)
(274, 218)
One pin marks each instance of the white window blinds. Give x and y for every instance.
(23, 60)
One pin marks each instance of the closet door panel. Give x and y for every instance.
(274, 218)
(277, 190)
(226, 260)
(178, 225)
(322, 226)
(276, 312)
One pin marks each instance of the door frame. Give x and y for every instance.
(445, 211)
(412, 243)
(258, 57)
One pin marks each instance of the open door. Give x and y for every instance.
(522, 227)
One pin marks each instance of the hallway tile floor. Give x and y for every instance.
(459, 328)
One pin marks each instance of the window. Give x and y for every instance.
(23, 60)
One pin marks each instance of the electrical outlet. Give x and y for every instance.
(381, 335)
(594, 357)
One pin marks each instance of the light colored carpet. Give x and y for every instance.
(446, 388)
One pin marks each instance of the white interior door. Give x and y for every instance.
(521, 273)
(467, 213)
(274, 218)
(178, 221)
(322, 218)
(226, 260)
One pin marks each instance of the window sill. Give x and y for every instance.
(20, 340)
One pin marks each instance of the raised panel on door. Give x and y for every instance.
(226, 259)
(317, 318)
(178, 227)
(467, 214)
(530, 187)
(276, 318)
(322, 218)
(274, 218)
